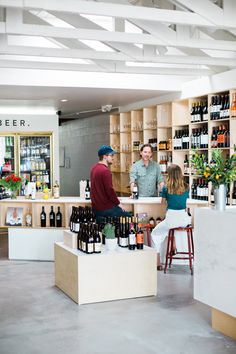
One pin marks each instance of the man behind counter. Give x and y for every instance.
(146, 174)
(104, 199)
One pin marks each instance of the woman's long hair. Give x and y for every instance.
(175, 181)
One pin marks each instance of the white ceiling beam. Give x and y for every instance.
(110, 56)
(206, 9)
(113, 10)
(47, 31)
(67, 78)
(49, 66)
(94, 68)
(229, 11)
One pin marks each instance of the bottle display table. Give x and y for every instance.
(110, 275)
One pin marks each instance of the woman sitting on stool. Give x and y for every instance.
(175, 194)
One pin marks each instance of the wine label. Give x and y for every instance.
(97, 247)
(87, 195)
(140, 238)
(123, 241)
(90, 247)
(132, 239)
(76, 227)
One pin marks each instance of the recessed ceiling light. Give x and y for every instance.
(64, 100)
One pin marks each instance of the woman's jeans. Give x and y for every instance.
(113, 212)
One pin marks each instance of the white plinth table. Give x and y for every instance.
(110, 275)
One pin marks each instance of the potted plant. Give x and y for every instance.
(110, 238)
(12, 183)
(221, 171)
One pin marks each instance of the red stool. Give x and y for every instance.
(169, 249)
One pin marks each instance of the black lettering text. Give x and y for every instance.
(7, 122)
(22, 123)
(14, 123)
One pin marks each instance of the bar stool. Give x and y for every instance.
(169, 250)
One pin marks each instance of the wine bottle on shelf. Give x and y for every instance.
(87, 190)
(234, 194)
(56, 190)
(28, 218)
(186, 165)
(233, 106)
(52, 217)
(139, 238)
(43, 218)
(58, 218)
(132, 237)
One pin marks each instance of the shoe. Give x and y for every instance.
(174, 252)
(159, 267)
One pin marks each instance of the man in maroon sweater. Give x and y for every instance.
(103, 197)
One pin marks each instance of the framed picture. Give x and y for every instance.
(62, 156)
(14, 216)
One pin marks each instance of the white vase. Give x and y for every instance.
(111, 244)
(220, 197)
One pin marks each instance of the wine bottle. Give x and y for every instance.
(56, 190)
(152, 221)
(123, 240)
(52, 217)
(140, 238)
(89, 241)
(58, 218)
(97, 240)
(135, 191)
(28, 218)
(87, 191)
(43, 218)
(132, 237)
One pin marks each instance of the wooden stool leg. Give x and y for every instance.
(189, 251)
(167, 250)
(171, 246)
(191, 233)
(149, 243)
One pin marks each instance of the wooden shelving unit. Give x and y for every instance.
(131, 129)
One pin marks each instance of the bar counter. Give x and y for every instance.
(37, 243)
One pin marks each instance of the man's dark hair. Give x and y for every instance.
(146, 145)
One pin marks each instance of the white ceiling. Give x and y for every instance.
(149, 48)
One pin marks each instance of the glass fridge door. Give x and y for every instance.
(35, 159)
(7, 155)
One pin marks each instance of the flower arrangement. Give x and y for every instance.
(221, 170)
(11, 182)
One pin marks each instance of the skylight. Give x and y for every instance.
(53, 20)
(96, 45)
(102, 21)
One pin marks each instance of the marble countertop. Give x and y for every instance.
(71, 200)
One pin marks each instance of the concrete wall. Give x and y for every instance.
(80, 139)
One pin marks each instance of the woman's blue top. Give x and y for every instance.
(175, 201)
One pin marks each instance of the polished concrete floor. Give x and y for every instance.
(36, 317)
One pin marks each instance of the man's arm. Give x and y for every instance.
(160, 178)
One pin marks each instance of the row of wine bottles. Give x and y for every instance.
(219, 108)
(55, 219)
(200, 191)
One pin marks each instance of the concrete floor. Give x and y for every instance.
(36, 317)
